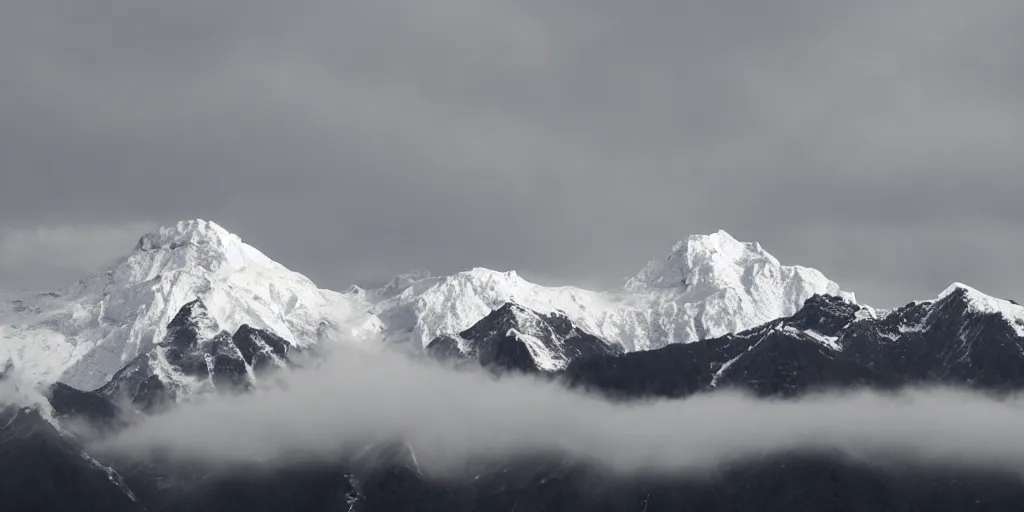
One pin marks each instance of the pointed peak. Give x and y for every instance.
(513, 307)
(711, 258)
(718, 238)
(192, 313)
(719, 242)
(508, 315)
(962, 294)
(975, 297)
(510, 310)
(194, 243)
(826, 313)
(488, 273)
(979, 302)
(196, 231)
(482, 275)
(192, 323)
(959, 289)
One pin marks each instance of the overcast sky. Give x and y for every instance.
(879, 141)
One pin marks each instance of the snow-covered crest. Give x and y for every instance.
(552, 341)
(715, 260)
(700, 259)
(84, 334)
(984, 304)
(708, 286)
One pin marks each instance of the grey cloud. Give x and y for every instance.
(577, 139)
(451, 419)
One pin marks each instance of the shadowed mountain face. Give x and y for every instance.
(44, 469)
(513, 338)
(194, 357)
(829, 343)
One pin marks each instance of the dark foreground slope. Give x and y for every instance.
(44, 469)
(782, 484)
(829, 344)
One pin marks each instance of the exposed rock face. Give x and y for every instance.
(515, 338)
(196, 356)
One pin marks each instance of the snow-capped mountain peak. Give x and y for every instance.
(432, 306)
(82, 335)
(709, 285)
(715, 260)
(195, 232)
(699, 259)
(192, 243)
(980, 303)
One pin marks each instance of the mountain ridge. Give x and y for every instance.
(514, 338)
(708, 286)
(728, 286)
(959, 338)
(831, 342)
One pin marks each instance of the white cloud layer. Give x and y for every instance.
(451, 418)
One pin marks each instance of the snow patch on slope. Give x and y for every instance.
(721, 371)
(544, 358)
(832, 342)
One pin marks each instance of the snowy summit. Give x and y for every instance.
(708, 285)
(84, 334)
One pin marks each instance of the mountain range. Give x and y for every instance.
(707, 286)
(193, 310)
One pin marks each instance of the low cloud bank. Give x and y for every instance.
(356, 399)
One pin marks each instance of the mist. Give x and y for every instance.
(449, 418)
